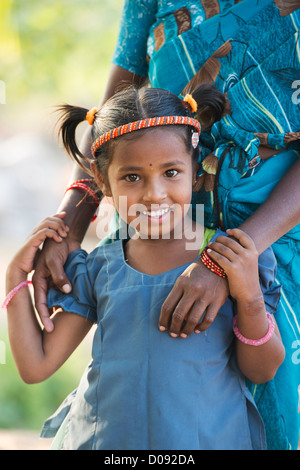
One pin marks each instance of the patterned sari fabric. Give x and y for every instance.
(251, 51)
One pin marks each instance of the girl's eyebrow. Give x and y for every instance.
(172, 163)
(129, 168)
(139, 168)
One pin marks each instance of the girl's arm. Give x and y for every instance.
(198, 294)
(79, 214)
(39, 354)
(239, 258)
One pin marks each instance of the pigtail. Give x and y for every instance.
(212, 104)
(70, 118)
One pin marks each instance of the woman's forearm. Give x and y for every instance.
(278, 214)
(79, 206)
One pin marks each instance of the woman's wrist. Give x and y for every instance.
(79, 214)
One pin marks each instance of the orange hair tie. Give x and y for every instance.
(90, 116)
(192, 102)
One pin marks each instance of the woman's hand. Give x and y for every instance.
(50, 268)
(197, 293)
(51, 227)
(238, 256)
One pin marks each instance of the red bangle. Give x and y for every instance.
(212, 265)
(80, 184)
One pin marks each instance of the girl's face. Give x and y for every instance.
(150, 180)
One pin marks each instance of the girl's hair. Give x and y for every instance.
(211, 104)
(129, 105)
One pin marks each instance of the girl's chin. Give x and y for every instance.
(156, 230)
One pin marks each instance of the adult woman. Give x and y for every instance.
(221, 42)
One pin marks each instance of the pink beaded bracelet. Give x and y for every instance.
(254, 342)
(13, 292)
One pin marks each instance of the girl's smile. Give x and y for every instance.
(156, 194)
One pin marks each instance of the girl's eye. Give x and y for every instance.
(171, 173)
(132, 178)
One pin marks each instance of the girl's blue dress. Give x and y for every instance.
(251, 51)
(144, 389)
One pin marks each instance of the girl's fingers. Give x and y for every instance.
(232, 247)
(244, 239)
(223, 248)
(231, 243)
(55, 223)
(222, 260)
(40, 236)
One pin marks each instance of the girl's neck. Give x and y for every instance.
(157, 256)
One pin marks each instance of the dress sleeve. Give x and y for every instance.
(81, 299)
(271, 288)
(131, 48)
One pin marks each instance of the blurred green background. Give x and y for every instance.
(50, 52)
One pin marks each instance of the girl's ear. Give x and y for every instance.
(101, 180)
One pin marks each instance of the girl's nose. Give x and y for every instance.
(154, 192)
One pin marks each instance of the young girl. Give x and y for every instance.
(143, 389)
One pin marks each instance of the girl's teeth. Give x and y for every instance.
(156, 213)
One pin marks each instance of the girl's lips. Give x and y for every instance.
(157, 213)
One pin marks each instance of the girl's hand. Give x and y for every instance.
(52, 227)
(194, 302)
(239, 259)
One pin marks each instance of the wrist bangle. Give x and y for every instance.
(80, 184)
(13, 292)
(212, 265)
(254, 342)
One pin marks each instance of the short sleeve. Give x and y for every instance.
(81, 299)
(271, 288)
(131, 48)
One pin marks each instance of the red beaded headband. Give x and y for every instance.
(146, 123)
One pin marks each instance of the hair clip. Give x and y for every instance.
(192, 102)
(90, 116)
(195, 139)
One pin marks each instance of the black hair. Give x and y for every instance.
(211, 104)
(133, 104)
